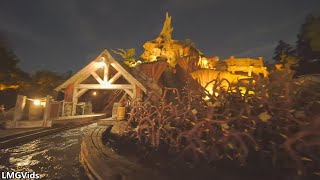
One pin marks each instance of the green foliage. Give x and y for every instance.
(128, 55)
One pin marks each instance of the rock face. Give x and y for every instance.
(183, 58)
(164, 47)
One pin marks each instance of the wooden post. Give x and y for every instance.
(18, 110)
(63, 104)
(138, 92)
(106, 72)
(84, 106)
(74, 101)
(46, 115)
(134, 92)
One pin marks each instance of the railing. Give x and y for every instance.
(116, 94)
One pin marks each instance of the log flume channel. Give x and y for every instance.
(54, 156)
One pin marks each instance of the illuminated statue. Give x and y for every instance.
(165, 34)
(164, 47)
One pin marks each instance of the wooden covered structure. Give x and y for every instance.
(248, 65)
(104, 72)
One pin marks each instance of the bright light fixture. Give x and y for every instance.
(101, 64)
(36, 102)
(94, 93)
(106, 85)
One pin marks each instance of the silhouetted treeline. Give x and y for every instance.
(306, 51)
(13, 80)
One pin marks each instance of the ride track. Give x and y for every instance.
(51, 153)
(24, 137)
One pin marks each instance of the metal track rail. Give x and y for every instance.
(15, 139)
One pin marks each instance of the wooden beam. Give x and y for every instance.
(129, 92)
(119, 68)
(46, 114)
(84, 75)
(123, 96)
(125, 74)
(97, 77)
(114, 78)
(106, 72)
(134, 92)
(107, 86)
(80, 75)
(81, 92)
(63, 104)
(19, 108)
(138, 92)
(74, 101)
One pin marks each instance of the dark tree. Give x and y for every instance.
(10, 73)
(283, 48)
(13, 80)
(308, 46)
(44, 82)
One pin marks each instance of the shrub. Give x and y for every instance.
(272, 126)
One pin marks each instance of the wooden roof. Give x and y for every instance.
(85, 72)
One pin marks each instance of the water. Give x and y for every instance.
(52, 157)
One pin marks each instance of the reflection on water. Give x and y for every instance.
(52, 157)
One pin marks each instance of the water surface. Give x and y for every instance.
(52, 157)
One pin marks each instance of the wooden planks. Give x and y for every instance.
(27, 124)
(103, 163)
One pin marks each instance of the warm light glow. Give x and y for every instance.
(94, 93)
(101, 64)
(3, 87)
(37, 102)
(243, 90)
(106, 85)
(136, 63)
(209, 89)
(203, 62)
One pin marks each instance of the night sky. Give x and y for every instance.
(63, 35)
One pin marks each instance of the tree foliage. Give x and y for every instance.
(305, 56)
(44, 82)
(10, 73)
(283, 48)
(289, 62)
(308, 46)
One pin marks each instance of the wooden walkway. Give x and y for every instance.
(102, 162)
(76, 119)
